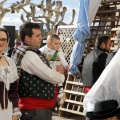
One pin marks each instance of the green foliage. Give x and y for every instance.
(16, 35)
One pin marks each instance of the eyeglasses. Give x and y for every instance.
(18, 43)
(3, 40)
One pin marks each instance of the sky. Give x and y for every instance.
(14, 19)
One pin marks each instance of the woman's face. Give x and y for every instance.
(3, 41)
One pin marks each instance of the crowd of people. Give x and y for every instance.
(32, 93)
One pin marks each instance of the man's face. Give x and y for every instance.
(18, 43)
(36, 38)
(108, 45)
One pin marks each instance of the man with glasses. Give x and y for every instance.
(17, 42)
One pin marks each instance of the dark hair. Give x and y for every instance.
(26, 29)
(54, 36)
(7, 33)
(17, 40)
(101, 39)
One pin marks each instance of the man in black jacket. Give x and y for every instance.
(95, 61)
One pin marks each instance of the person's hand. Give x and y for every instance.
(60, 69)
(67, 67)
(14, 117)
(61, 99)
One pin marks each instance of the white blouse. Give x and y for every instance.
(8, 74)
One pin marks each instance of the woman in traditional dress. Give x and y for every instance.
(8, 82)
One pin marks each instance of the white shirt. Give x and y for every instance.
(32, 64)
(49, 52)
(8, 73)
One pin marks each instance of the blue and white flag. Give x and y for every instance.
(87, 11)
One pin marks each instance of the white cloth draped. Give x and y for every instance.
(93, 8)
(107, 86)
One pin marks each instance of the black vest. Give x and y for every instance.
(33, 86)
(90, 64)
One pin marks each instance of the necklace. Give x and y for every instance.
(0, 58)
